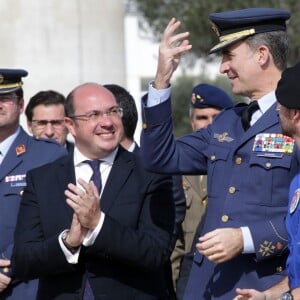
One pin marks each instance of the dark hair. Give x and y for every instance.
(125, 101)
(43, 97)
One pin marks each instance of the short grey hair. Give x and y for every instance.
(277, 43)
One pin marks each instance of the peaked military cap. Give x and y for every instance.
(205, 95)
(11, 80)
(233, 26)
(288, 88)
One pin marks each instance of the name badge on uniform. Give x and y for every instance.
(16, 180)
(272, 144)
(295, 201)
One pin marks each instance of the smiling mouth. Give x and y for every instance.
(105, 134)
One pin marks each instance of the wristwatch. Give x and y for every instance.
(68, 246)
(287, 296)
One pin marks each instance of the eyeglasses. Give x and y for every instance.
(41, 124)
(97, 114)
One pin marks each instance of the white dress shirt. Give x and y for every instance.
(85, 172)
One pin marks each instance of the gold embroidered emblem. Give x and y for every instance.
(200, 98)
(267, 248)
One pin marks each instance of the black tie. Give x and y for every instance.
(96, 177)
(247, 114)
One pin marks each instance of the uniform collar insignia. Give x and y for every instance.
(20, 149)
(223, 137)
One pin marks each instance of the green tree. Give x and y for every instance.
(194, 17)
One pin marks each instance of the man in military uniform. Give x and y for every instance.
(288, 95)
(18, 153)
(249, 165)
(206, 102)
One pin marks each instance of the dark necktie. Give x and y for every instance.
(247, 114)
(96, 178)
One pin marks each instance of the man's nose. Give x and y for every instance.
(49, 131)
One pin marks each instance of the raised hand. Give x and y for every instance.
(171, 48)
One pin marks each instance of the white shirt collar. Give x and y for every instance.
(79, 157)
(6, 144)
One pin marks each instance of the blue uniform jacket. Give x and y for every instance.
(293, 228)
(24, 154)
(244, 189)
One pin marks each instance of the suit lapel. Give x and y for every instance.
(121, 169)
(65, 174)
(15, 154)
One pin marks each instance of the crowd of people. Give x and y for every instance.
(211, 215)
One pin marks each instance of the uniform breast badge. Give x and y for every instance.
(223, 137)
(272, 144)
(16, 180)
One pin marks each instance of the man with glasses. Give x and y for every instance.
(45, 117)
(18, 153)
(97, 224)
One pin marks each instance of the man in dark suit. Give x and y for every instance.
(45, 117)
(115, 247)
(19, 153)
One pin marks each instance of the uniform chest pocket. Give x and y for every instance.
(217, 158)
(269, 163)
(269, 178)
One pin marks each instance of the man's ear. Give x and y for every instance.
(263, 54)
(69, 123)
(296, 115)
(29, 126)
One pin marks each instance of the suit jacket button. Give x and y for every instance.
(231, 190)
(238, 160)
(279, 269)
(225, 218)
(268, 165)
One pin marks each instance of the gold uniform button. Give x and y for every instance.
(225, 218)
(279, 269)
(238, 160)
(21, 193)
(231, 190)
(144, 125)
(5, 270)
(268, 165)
(213, 157)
